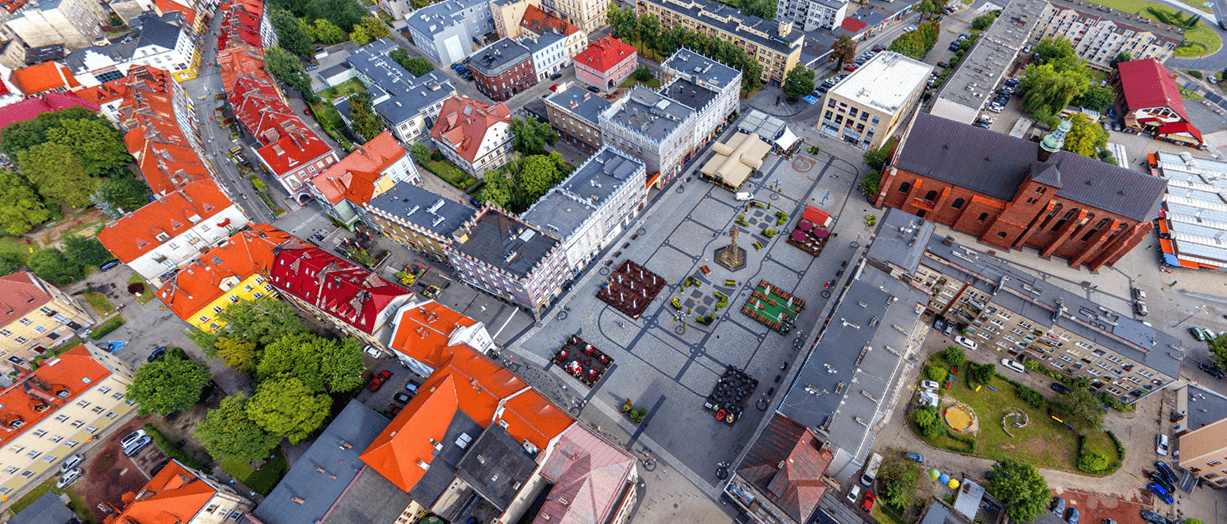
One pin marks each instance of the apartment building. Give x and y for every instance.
(182, 495)
(425, 332)
(509, 258)
(418, 219)
(74, 23)
(536, 22)
(549, 53)
(407, 104)
(347, 186)
(1101, 33)
(710, 88)
(606, 63)
(49, 412)
(161, 135)
(574, 114)
(165, 42)
(813, 14)
(1201, 437)
(587, 15)
(44, 78)
(232, 272)
(591, 207)
(474, 136)
(158, 239)
(1149, 101)
(36, 317)
(508, 13)
(866, 108)
(503, 69)
(653, 128)
(449, 31)
(773, 44)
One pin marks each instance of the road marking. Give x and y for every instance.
(509, 317)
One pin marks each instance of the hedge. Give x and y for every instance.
(107, 327)
(176, 452)
(1029, 396)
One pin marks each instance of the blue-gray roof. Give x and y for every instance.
(702, 69)
(409, 95)
(497, 466)
(689, 93)
(541, 42)
(160, 31)
(581, 103)
(47, 509)
(569, 204)
(422, 208)
(649, 113)
(901, 240)
(1205, 407)
(729, 19)
(435, 18)
(496, 58)
(336, 452)
(506, 243)
(461, 433)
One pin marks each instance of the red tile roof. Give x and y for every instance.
(338, 287)
(238, 62)
(20, 293)
(248, 252)
(46, 76)
(483, 390)
(39, 394)
(167, 6)
(423, 332)
(537, 20)
(1147, 83)
(353, 178)
(12, 5)
(852, 25)
(797, 486)
(1181, 127)
(288, 144)
(464, 122)
(136, 233)
(240, 27)
(605, 53)
(30, 108)
(589, 474)
(172, 496)
(164, 155)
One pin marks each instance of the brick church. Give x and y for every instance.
(1014, 193)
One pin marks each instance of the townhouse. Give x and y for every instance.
(474, 136)
(36, 317)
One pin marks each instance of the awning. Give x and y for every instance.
(786, 140)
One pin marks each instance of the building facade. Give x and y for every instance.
(866, 108)
(813, 14)
(606, 63)
(183, 495)
(508, 258)
(1012, 193)
(449, 31)
(710, 88)
(49, 412)
(1100, 33)
(165, 42)
(574, 114)
(347, 186)
(508, 13)
(1201, 437)
(74, 23)
(587, 15)
(549, 53)
(1150, 101)
(774, 45)
(418, 219)
(537, 22)
(653, 128)
(473, 135)
(35, 317)
(503, 69)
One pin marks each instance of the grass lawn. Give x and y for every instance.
(149, 291)
(652, 82)
(650, 54)
(17, 246)
(107, 327)
(883, 516)
(1044, 442)
(262, 480)
(76, 502)
(344, 89)
(451, 174)
(100, 303)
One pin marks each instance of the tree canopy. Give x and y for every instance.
(321, 364)
(764, 9)
(87, 251)
(529, 137)
(229, 434)
(1021, 488)
(1218, 350)
(799, 83)
(363, 119)
(843, 50)
(523, 181)
(20, 207)
(918, 43)
(168, 385)
(416, 66)
(56, 171)
(1085, 137)
(53, 266)
(325, 32)
(1047, 90)
(262, 321)
(1086, 411)
(285, 406)
(284, 66)
(898, 478)
(666, 41)
(120, 193)
(238, 353)
(290, 34)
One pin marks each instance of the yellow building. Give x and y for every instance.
(49, 413)
(774, 45)
(231, 272)
(35, 317)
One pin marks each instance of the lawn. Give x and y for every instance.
(1044, 442)
(148, 294)
(100, 303)
(1202, 34)
(15, 245)
(76, 502)
(107, 327)
(652, 82)
(451, 174)
(262, 480)
(884, 516)
(344, 89)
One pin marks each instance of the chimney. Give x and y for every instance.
(785, 28)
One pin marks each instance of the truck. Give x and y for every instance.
(871, 471)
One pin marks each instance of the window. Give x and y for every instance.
(27, 474)
(117, 395)
(258, 294)
(983, 217)
(92, 429)
(5, 332)
(26, 321)
(10, 470)
(71, 443)
(203, 319)
(1213, 463)
(57, 438)
(49, 458)
(957, 204)
(217, 309)
(39, 433)
(1001, 234)
(83, 404)
(98, 409)
(110, 414)
(6, 490)
(20, 340)
(34, 454)
(905, 187)
(78, 423)
(61, 418)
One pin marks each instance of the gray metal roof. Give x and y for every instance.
(423, 208)
(535, 44)
(1196, 214)
(731, 20)
(901, 240)
(995, 164)
(496, 58)
(506, 243)
(159, 31)
(581, 103)
(497, 466)
(461, 432)
(336, 450)
(1205, 407)
(940, 513)
(982, 66)
(1128, 21)
(569, 204)
(648, 113)
(369, 498)
(47, 509)
(702, 69)
(435, 18)
(968, 501)
(767, 127)
(120, 52)
(409, 94)
(689, 93)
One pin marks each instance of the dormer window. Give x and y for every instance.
(162, 237)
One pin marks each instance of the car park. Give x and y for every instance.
(1013, 365)
(1161, 444)
(1166, 471)
(1058, 506)
(137, 446)
(71, 462)
(1212, 370)
(379, 379)
(1059, 387)
(928, 384)
(156, 354)
(1158, 477)
(965, 342)
(916, 456)
(68, 477)
(954, 46)
(867, 505)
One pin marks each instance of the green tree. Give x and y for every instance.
(363, 119)
(290, 34)
(238, 353)
(1096, 98)
(933, 7)
(285, 406)
(229, 434)
(498, 189)
(326, 32)
(57, 173)
(984, 21)
(86, 251)
(346, 14)
(1050, 49)
(20, 207)
(897, 479)
(876, 158)
(869, 184)
(624, 22)
(1218, 350)
(1084, 409)
(9, 262)
(20, 136)
(420, 152)
(529, 137)
(799, 82)
(955, 356)
(1021, 487)
(262, 321)
(649, 30)
(1046, 91)
(97, 145)
(51, 265)
(930, 424)
(360, 35)
(321, 364)
(1094, 461)
(285, 67)
(120, 194)
(984, 373)
(1124, 56)
(1085, 137)
(168, 385)
(643, 74)
(417, 66)
(910, 45)
(538, 175)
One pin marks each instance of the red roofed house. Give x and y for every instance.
(473, 135)
(373, 168)
(606, 63)
(593, 481)
(780, 478)
(426, 331)
(36, 316)
(49, 412)
(157, 239)
(1149, 99)
(353, 299)
(30, 108)
(154, 111)
(42, 78)
(180, 495)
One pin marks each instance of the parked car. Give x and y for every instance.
(1154, 518)
(1140, 308)
(132, 437)
(71, 462)
(963, 36)
(402, 398)
(1028, 49)
(1158, 477)
(916, 456)
(312, 67)
(68, 477)
(939, 324)
(156, 354)
(1058, 506)
(1161, 492)
(108, 265)
(594, 89)
(943, 65)
(954, 46)
(1212, 370)
(744, 195)
(1011, 82)
(1072, 516)
(1161, 444)
(877, 48)
(1138, 294)
(378, 381)
(1166, 471)
(849, 67)
(555, 76)
(909, 28)
(965, 342)
(949, 328)
(867, 505)
(137, 446)
(982, 124)
(1198, 334)
(854, 493)
(1013, 365)
(1059, 387)
(929, 384)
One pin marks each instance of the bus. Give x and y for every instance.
(871, 471)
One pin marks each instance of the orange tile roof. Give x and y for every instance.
(43, 77)
(136, 233)
(20, 293)
(605, 53)
(236, 62)
(423, 332)
(166, 6)
(248, 252)
(175, 495)
(537, 20)
(464, 123)
(483, 390)
(354, 177)
(39, 394)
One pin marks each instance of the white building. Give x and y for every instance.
(652, 127)
(813, 14)
(474, 136)
(866, 108)
(549, 53)
(593, 206)
(407, 104)
(74, 23)
(710, 88)
(164, 42)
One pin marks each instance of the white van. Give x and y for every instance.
(871, 471)
(745, 195)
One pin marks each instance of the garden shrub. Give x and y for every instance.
(955, 356)
(1029, 396)
(935, 373)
